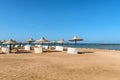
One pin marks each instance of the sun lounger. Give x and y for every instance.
(59, 48)
(27, 47)
(38, 50)
(5, 50)
(72, 51)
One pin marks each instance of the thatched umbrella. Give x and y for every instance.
(30, 40)
(75, 39)
(42, 40)
(10, 42)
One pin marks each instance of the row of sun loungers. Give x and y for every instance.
(41, 48)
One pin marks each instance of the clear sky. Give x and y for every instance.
(93, 20)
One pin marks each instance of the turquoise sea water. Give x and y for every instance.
(98, 46)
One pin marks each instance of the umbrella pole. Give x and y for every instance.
(10, 48)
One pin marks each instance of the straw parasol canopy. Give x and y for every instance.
(10, 42)
(30, 40)
(75, 39)
(42, 40)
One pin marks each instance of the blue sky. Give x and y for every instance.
(96, 21)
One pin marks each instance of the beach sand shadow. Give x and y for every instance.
(83, 52)
(51, 51)
(22, 51)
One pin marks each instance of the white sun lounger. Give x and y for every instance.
(59, 48)
(5, 50)
(27, 47)
(72, 51)
(38, 50)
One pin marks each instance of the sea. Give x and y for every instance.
(98, 46)
(85, 45)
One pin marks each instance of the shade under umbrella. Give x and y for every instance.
(75, 39)
(30, 40)
(10, 42)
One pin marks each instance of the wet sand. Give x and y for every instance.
(90, 64)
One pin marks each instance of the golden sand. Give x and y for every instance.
(92, 64)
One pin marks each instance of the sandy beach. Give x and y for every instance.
(91, 64)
